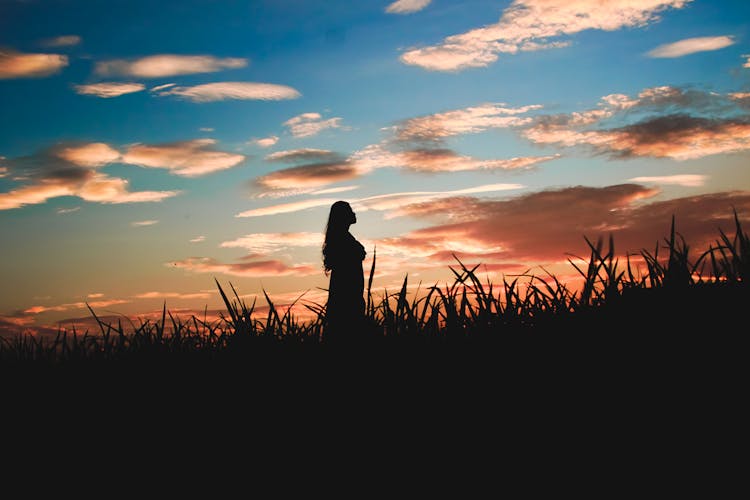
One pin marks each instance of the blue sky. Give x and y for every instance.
(148, 148)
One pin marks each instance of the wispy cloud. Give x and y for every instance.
(265, 142)
(407, 6)
(62, 211)
(62, 41)
(72, 170)
(221, 91)
(747, 62)
(109, 89)
(265, 243)
(305, 154)
(142, 223)
(284, 208)
(691, 46)
(164, 65)
(438, 160)
(172, 295)
(198, 239)
(339, 189)
(391, 201)
(310, 124)
(74, 305)
(469, 120)
(248, 268)
(687, 180)
(19, 65)
(187, 158)
(533, 25)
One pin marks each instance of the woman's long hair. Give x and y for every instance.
(339, 219)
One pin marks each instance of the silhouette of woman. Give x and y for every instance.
(342, 258)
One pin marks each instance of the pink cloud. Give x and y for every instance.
(544, 227)
(247, 268)
(109, 89)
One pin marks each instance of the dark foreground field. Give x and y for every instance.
(678, 324)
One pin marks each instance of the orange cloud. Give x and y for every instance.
(529, 24)
(74, 305)
(172, 295)
(19, 65)
(94, 154)
(71, 170)
(469, 120)
(445, 160)
(682, 125)
(677, 136)
(310, 175)
(546, 226)
(187, 158)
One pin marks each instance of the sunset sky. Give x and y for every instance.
(150, 147)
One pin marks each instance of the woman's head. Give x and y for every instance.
(340, 217)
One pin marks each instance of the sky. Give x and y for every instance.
(148, 149)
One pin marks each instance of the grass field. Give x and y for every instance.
(672, 306)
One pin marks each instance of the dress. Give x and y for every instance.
(346, 304)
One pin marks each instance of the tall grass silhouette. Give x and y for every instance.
(660, 297)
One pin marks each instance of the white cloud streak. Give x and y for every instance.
(143, 223)
(264, 243)
(691, 46)
(391, 201)
(164, 65)
(686, 180)
(407, 6)
(222, 91)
